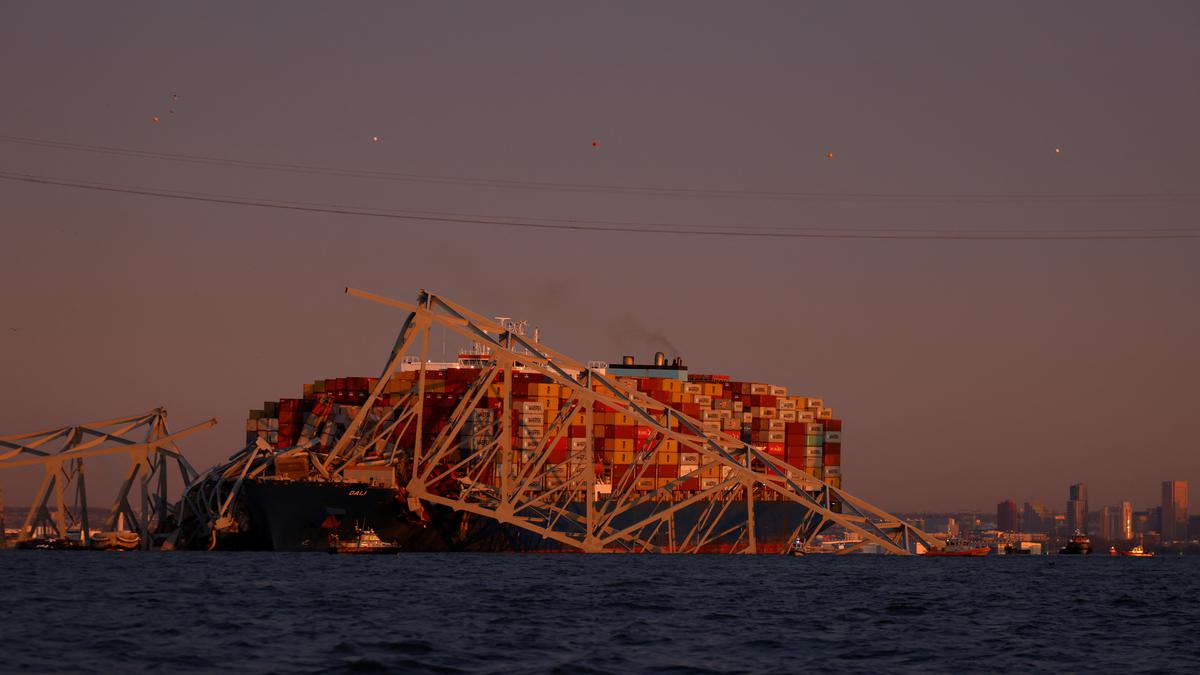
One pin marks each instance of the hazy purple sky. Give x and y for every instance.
(967, 372)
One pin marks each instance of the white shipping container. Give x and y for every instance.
(532, 407)
(579, 444)
(787, 404)
(833, 437)
(833, 470)
(776, 425)
(787, 415)
(777, 390)
(532, 419)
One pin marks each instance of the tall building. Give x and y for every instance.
(1037, 518)
(1124, 521)
(1174, 510)
(1008, 519)
(1141, 522)
(1077, 509)
(1108, 523)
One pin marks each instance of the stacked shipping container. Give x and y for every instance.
(799, 430)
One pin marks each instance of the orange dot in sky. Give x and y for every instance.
(1058, 151)
(595, 144)
(375, 139)
(829, 155)
(156, 119)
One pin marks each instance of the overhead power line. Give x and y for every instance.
(611, 189)
(585, 226)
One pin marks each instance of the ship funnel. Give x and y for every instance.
(627, 360)
(660, 359)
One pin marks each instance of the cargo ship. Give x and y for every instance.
(287, 502)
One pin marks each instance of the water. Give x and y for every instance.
(187, 612)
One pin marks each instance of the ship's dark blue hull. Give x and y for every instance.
(301, 516)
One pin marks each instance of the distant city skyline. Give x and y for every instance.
(1169, 520)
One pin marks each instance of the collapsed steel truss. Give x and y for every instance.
(144, 439)
(568, 502)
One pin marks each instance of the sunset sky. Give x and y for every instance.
(967, 372)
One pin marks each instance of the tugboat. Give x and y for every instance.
(365, 542)
(957, 548)
(1079, 545)
(1138, 552)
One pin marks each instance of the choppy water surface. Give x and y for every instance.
(114, 612)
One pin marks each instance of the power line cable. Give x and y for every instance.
(600, 188)
(541, 224)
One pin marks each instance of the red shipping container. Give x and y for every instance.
(776, 449)
(690, 485)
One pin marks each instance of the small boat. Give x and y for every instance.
(1138, 552)
(47, 544)
(365, 542)
(957, 548)
(1079, 545)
